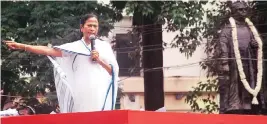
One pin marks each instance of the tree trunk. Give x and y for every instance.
(152, 58)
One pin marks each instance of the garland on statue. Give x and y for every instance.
(242, 75)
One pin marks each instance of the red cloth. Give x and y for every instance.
(135, 117)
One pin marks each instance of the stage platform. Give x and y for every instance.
(135, 117)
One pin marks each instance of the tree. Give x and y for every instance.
(149, 18)
(261, 19)
(172, 14)
(258, 15)
(42, 22)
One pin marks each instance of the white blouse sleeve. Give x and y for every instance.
(9, 112)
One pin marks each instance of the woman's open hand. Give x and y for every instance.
(13, 45)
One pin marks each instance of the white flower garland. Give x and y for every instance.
(255, 91)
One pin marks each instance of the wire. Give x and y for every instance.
(175, 66)
(159, 69)
(132, 51)
(158, 31)
(189, 64)
(256, 12)
(161, 44)
(55, 95)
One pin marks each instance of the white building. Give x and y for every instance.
(177, 80)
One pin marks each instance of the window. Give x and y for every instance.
(128, 59)
(118, 104)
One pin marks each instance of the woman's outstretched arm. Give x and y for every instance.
(42, 50)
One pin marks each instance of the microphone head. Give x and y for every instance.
(92, 37)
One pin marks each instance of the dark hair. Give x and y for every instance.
(43, 109)
(24, 102)
(87, 16)
(83, 20)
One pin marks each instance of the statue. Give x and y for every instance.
(241, 86)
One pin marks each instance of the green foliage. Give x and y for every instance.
(195, 97)
(212, 28)
(40, 23)
(186, 18)
(217, 17)
(177, 16)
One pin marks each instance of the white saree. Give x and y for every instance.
(83, 85)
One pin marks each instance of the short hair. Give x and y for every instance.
(87, 16)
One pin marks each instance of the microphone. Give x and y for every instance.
(92, 39)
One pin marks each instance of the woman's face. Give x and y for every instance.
(90, 27)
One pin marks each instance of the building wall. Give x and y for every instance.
(180, 64)
(171, 103)
(175, 89)
(184, 74)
